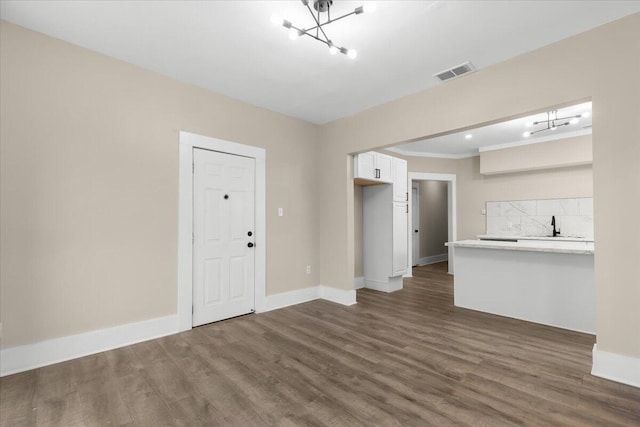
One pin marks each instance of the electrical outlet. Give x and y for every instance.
(308, 269)
(483, 212)
(280, 212)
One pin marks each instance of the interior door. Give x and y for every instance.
(415, 226)
(223, 239)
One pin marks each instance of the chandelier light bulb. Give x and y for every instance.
(587, 114)
(276, 19)
(333, 50)
(528, 124)
(352, 53)
(574, 121)
(526, 134)
(369, 7)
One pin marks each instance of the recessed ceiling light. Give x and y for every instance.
(468, 136)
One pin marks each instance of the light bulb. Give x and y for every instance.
(528, 124)
(352, 53)
(587, 114)
(468, 136)
(526, 134)
(333, 50)
(293, 34)
(276, 19)
(369, 7)
(574, 121)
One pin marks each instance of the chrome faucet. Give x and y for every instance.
(553, 224)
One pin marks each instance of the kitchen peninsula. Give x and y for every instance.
(543, 281)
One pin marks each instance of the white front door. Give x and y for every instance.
(223, 239)
(415, 226)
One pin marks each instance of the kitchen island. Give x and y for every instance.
(542, 281)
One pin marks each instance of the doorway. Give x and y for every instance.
(187, 252)
(416, 178)
(223, 234)
(415, 223)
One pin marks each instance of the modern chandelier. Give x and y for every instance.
(553, 122)
(317, 31)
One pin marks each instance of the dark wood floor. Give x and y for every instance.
(401, 359)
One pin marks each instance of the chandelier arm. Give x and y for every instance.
(302, 32)
(549, 127)
(319, 26)
(570, 117)
(330, 21)
(317, 38)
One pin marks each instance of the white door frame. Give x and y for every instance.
(189, 141)
(415, 186)
(451, 214)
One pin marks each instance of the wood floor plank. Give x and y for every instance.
(100, 395)
(409, 358)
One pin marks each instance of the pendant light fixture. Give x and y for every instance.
(317, 31)
(553, 122)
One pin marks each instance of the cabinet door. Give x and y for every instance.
(365, 165)
(400, 241)
(400, 189)
(384, 166)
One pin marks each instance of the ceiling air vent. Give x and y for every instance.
(456, 71)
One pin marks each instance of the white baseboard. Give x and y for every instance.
(616, 367)
(394, 284)
(340, 296)
(31, 356)
(358, 282)
(433, 259)
(285, 299)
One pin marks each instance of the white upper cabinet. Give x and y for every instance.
(400, 180)
(373, 166)
(384, 164)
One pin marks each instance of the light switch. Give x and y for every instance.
(280, 211)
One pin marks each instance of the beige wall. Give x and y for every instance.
(433, 218)
(573, 151)
(89, 187)
(572, 70)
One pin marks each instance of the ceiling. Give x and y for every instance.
(500, 135)
(232, 48)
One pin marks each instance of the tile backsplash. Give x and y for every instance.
(574, 217)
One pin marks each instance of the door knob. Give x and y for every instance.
(250, 244)
(415, 231)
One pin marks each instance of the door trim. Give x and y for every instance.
(450, 179)
(414, 185)
(189, 141)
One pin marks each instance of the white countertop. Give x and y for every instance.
(557, 239)
(566, 247)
